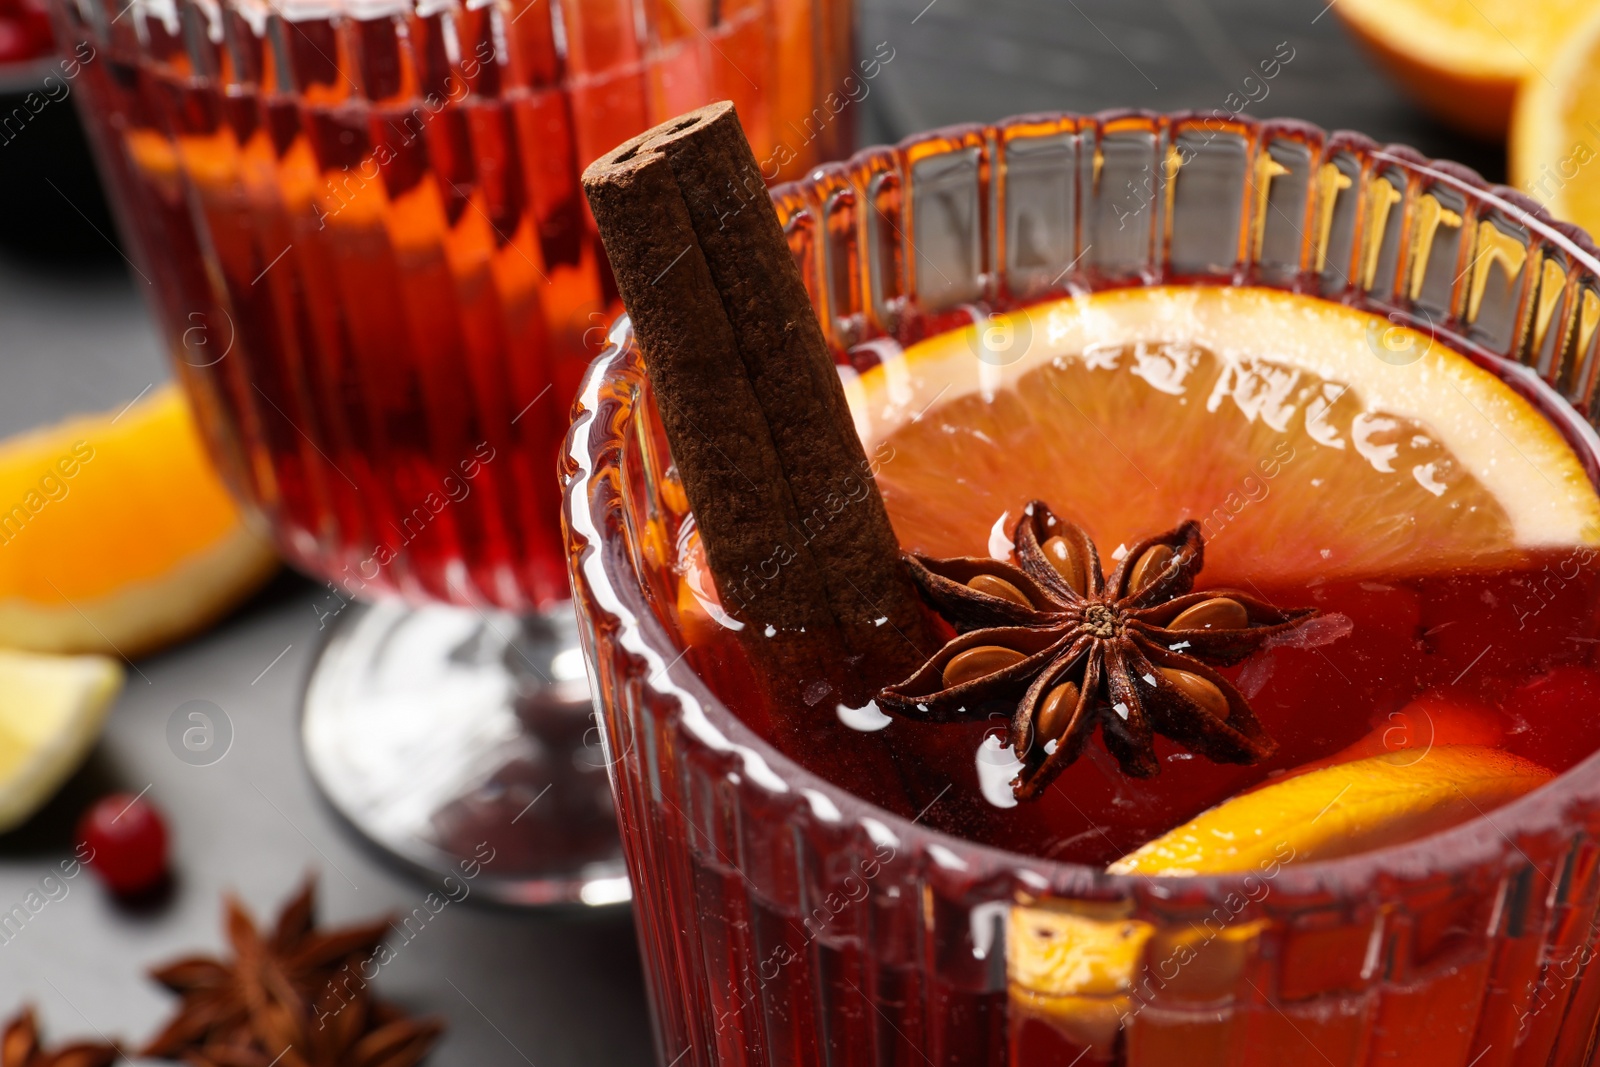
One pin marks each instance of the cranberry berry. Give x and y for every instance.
(127, 839)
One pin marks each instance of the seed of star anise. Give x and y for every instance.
(20, 1048)
(298, 997)
(1068, 649)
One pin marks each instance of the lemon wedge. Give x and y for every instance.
(51, 712)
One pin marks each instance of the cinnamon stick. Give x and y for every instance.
(794, 528)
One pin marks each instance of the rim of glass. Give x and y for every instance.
(622, 607)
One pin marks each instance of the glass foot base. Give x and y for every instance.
(460, 742)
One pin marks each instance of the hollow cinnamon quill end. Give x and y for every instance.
(654, 140)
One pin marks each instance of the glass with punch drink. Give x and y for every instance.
(366, 247)
(1224, 692)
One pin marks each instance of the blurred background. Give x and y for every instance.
(563, 987)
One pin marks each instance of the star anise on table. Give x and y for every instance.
(294, 997)
(19, 1047)
(1067, 649)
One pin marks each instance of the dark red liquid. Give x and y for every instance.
(1430, 614)
(1519, 642)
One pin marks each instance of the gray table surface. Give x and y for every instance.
(545, 989)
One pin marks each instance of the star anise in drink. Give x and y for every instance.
(20, 1048)
(294, 997)
(1066, 649)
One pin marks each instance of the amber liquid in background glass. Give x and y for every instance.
(1513, 638)
(381, 286)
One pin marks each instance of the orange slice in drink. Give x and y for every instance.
(1464, 59)
(1429, 720)
(1341, 810)
(1073, 964)
(1077, 965)
(116, 535)
(1309, 439)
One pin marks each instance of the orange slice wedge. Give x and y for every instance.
(1340, 810)
(1250, 410)
(1555, 129)
(116, 535)
(1464, 59)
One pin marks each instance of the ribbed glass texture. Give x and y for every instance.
(784, 921)
(360, 225)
